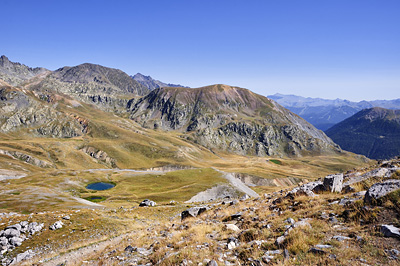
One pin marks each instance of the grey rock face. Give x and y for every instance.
(380, 190)
(390, 231)
(333, 183)
(192, 212)
(19, 111)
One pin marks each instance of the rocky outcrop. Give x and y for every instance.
(13, 235)
(380, 190)
(20, 111)
(26, 158)
(230, 119)
(100, 156)
(333, 183)
(308, 189)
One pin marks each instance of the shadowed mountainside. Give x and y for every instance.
(373, 132)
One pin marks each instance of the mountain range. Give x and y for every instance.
(218, 117)
(324, 113)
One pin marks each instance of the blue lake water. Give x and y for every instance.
(100, 186)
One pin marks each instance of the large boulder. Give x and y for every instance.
(390, 231)
(192, 212)
(380, 190)
(147, 203)
(307, 189)
(333, 183)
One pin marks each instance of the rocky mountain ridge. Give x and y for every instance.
(151, 83)
(16, 73)
(218, 117)
(231, 119)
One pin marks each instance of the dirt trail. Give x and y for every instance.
(76, 257)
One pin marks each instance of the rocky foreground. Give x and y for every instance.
(342, 219)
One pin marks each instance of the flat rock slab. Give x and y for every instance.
(380, 190)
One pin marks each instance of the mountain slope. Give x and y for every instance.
(231, 119)
(151, 83)
(22, 111)
(324, 113)
(16, 73)
(373, 132)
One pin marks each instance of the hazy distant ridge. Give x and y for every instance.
(324, 113)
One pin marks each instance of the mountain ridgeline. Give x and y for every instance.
(47, 103)
(373, 132)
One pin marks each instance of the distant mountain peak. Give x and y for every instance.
(151, 83)
(16, 73)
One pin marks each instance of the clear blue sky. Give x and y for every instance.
(330, 49)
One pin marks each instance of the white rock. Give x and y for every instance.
(232, 227)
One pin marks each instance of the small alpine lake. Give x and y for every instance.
(100, 186)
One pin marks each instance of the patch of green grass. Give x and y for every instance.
(96, 198)
(275, 161)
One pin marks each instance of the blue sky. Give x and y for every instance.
(330, 49)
